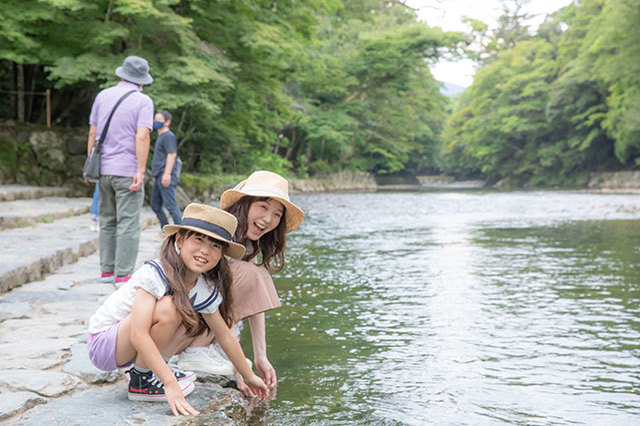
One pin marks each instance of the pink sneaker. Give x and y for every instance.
(107, 277)
(122, 279)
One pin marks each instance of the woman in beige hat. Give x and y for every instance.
(265, 215)
(167, 304)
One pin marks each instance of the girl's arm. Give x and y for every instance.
(144, 305)
(258, 338)
(232, 348)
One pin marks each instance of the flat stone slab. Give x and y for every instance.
(13, 402)
(30, 253)
(36, 353)
(80, 365)
(43, 337)
(16, 310)
(46, 327)
(28, 192)
(109, 405)
(45, 383)
(22, 213)
(44, 362)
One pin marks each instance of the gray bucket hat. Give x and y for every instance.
(135, 69)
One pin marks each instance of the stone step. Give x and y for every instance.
(43, 334)
(30, 253)
(27, 192)
(20, 213)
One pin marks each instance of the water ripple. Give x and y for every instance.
(460, 308)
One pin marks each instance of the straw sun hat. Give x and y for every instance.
(265, 184)
(212, 222)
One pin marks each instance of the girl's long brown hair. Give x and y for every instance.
(271, 245)
(218, 277)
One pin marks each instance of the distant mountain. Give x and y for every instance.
(450, 89)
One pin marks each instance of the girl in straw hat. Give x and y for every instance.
(166, 304)
(265, 215)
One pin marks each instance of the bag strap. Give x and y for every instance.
(106, 127)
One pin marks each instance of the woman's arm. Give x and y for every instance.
(258, 338)
(234, 352)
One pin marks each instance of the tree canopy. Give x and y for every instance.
(298, 87)
(557, 105)
(318, 86)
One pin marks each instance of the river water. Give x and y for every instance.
(459, 308)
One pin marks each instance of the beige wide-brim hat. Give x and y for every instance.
(212, 222)
(265, 184)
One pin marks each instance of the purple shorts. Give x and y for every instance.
(102, 349)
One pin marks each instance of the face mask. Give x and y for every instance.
(157, 125)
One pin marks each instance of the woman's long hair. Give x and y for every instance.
(271, 244)
(218, 277)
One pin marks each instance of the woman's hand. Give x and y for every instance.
(242, 387)
(177, 402)
(266, 371)
(257, 386)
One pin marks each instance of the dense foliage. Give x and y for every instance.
(299, 87)
(547, 109)
(317, 86)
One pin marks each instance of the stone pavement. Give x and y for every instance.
(51, 270)
(59, 234)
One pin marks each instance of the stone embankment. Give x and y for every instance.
(31, 154)
(343, 181)
(449, 182)
(619, 182)
(49, 275)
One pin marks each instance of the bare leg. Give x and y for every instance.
(166, 331)
(125, 351)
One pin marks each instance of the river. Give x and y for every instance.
(459, 308)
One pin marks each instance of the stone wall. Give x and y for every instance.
(343, 181)
(35, 155)
(205, 189)
(628, 181)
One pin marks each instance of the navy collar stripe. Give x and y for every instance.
(208, 226)
(162, 275)
(212, 297)
(200, 306)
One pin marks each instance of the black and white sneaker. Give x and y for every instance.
(145, 386)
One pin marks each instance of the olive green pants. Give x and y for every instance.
(119, 224)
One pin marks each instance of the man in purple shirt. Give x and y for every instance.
(122, 166)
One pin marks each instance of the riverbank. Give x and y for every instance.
(625, 182)
(33, 155)
(621, 182)
(49, 287)
(199, 188)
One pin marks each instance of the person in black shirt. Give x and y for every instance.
(163, 170)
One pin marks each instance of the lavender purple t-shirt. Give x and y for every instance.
(119, 149)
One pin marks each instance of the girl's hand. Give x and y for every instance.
(257, 386)
(266, 371)
(176, 401)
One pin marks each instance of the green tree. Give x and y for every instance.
(550, 109)
(612, 45)
(367, 79)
